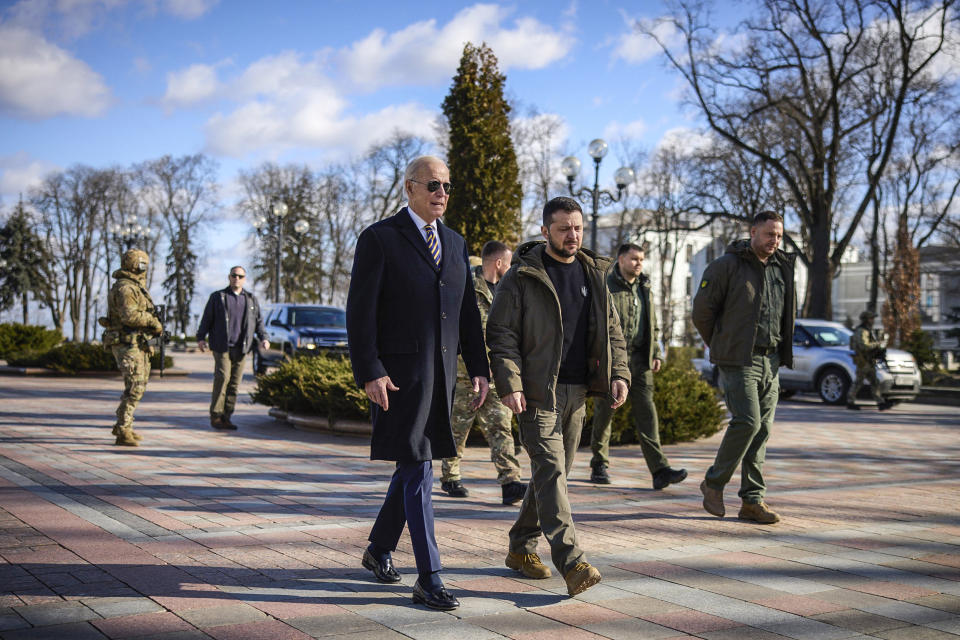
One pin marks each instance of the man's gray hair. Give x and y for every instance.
(417, 163)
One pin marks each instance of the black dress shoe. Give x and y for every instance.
(440, 599)
(383, 571)
(598, 474)
(455, 489)
(513, 492)
(667, 476)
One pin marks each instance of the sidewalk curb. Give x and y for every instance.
(320, 423)
(7, 370)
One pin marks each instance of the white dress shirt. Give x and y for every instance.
(421, 223)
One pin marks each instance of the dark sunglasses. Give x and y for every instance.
(238, 275)
(433, 185)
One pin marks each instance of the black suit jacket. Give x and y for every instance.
(213, 324)
(407, 319)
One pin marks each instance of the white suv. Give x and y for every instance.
(823, 362)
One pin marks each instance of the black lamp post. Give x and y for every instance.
(129, 232)
(273, 230)
(571, 169)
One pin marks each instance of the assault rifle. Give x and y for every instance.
(160, 311)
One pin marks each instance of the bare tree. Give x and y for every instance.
(539, 141)
(382, 169)
(803, 72)
(183, 192)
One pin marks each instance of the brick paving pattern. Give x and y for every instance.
(258, 533)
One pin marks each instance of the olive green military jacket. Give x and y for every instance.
(130, 311)
(627, 301)
(727, 305)
(484, 300)
(525, 330)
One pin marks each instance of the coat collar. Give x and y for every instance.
(409, 231)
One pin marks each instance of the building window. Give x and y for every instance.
(689, 253)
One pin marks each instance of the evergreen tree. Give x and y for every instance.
(22, 256)
(486, 200)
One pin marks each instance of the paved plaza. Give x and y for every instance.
(257, 534)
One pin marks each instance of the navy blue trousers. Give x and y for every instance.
(409, 502)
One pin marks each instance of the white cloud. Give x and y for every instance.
(19, 173)
(630, 130)
(424, 53)
(40, 80)
(685, 138)
(635, 47)
(187, 9)
(190, 86)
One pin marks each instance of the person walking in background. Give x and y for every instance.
(630, 290)
(867, 348)
(744, 311)
(410, 307)
(130, 323)
(554, 337)
(493, 418)
(232, 321)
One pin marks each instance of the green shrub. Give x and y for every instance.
(920, 345)
(320, 385)
(18, 338)
(687, 406)
(71, 357)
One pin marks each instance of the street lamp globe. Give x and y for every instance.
(301, 226)
(258, 222)
(597, 149)
(570, 167)
(280, 209)
(624, 177)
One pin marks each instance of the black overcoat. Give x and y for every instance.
(407, 319)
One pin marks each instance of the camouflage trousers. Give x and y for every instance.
(134, 364)
(865, 373)
(494, 420)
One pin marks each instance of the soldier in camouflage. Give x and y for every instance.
(130, 323)
(493, 418)
(867, 348)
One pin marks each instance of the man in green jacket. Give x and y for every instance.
(744, 311)
(630, 291)
(554, 337)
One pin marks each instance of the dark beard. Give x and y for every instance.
(560, 251)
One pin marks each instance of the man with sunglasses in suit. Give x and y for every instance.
(231, 320)
(411, 306)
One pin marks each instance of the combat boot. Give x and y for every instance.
(117, 430)
(758, 512)
(528, 564)
(581, 577)
(128, 438)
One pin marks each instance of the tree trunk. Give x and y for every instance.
(874, 257)
(817, 302)
(24, 301)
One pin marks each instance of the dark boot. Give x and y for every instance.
(513, 492)
(598, 474)
(455, 489)
(667, 476)
(853, 406)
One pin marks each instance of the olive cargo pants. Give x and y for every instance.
(227, 374)
(751, 393)
(550, 439)
(643, 413)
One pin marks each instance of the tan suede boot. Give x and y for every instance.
(528, 564)
(581, 577)
(127, 438)
(758, 512)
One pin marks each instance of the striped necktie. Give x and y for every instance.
(432, 244)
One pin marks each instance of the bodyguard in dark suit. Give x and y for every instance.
(410, 307)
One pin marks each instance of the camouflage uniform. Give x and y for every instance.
(130, 323)
(494, 419)
(866, 347)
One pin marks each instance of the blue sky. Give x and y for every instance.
(113, 82)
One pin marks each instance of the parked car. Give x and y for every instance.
(823, 363)
(301, 328)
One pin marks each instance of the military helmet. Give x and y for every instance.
(135, 261)
(867, 315)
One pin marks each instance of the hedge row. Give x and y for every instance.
(688, 408)
(71, 357)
